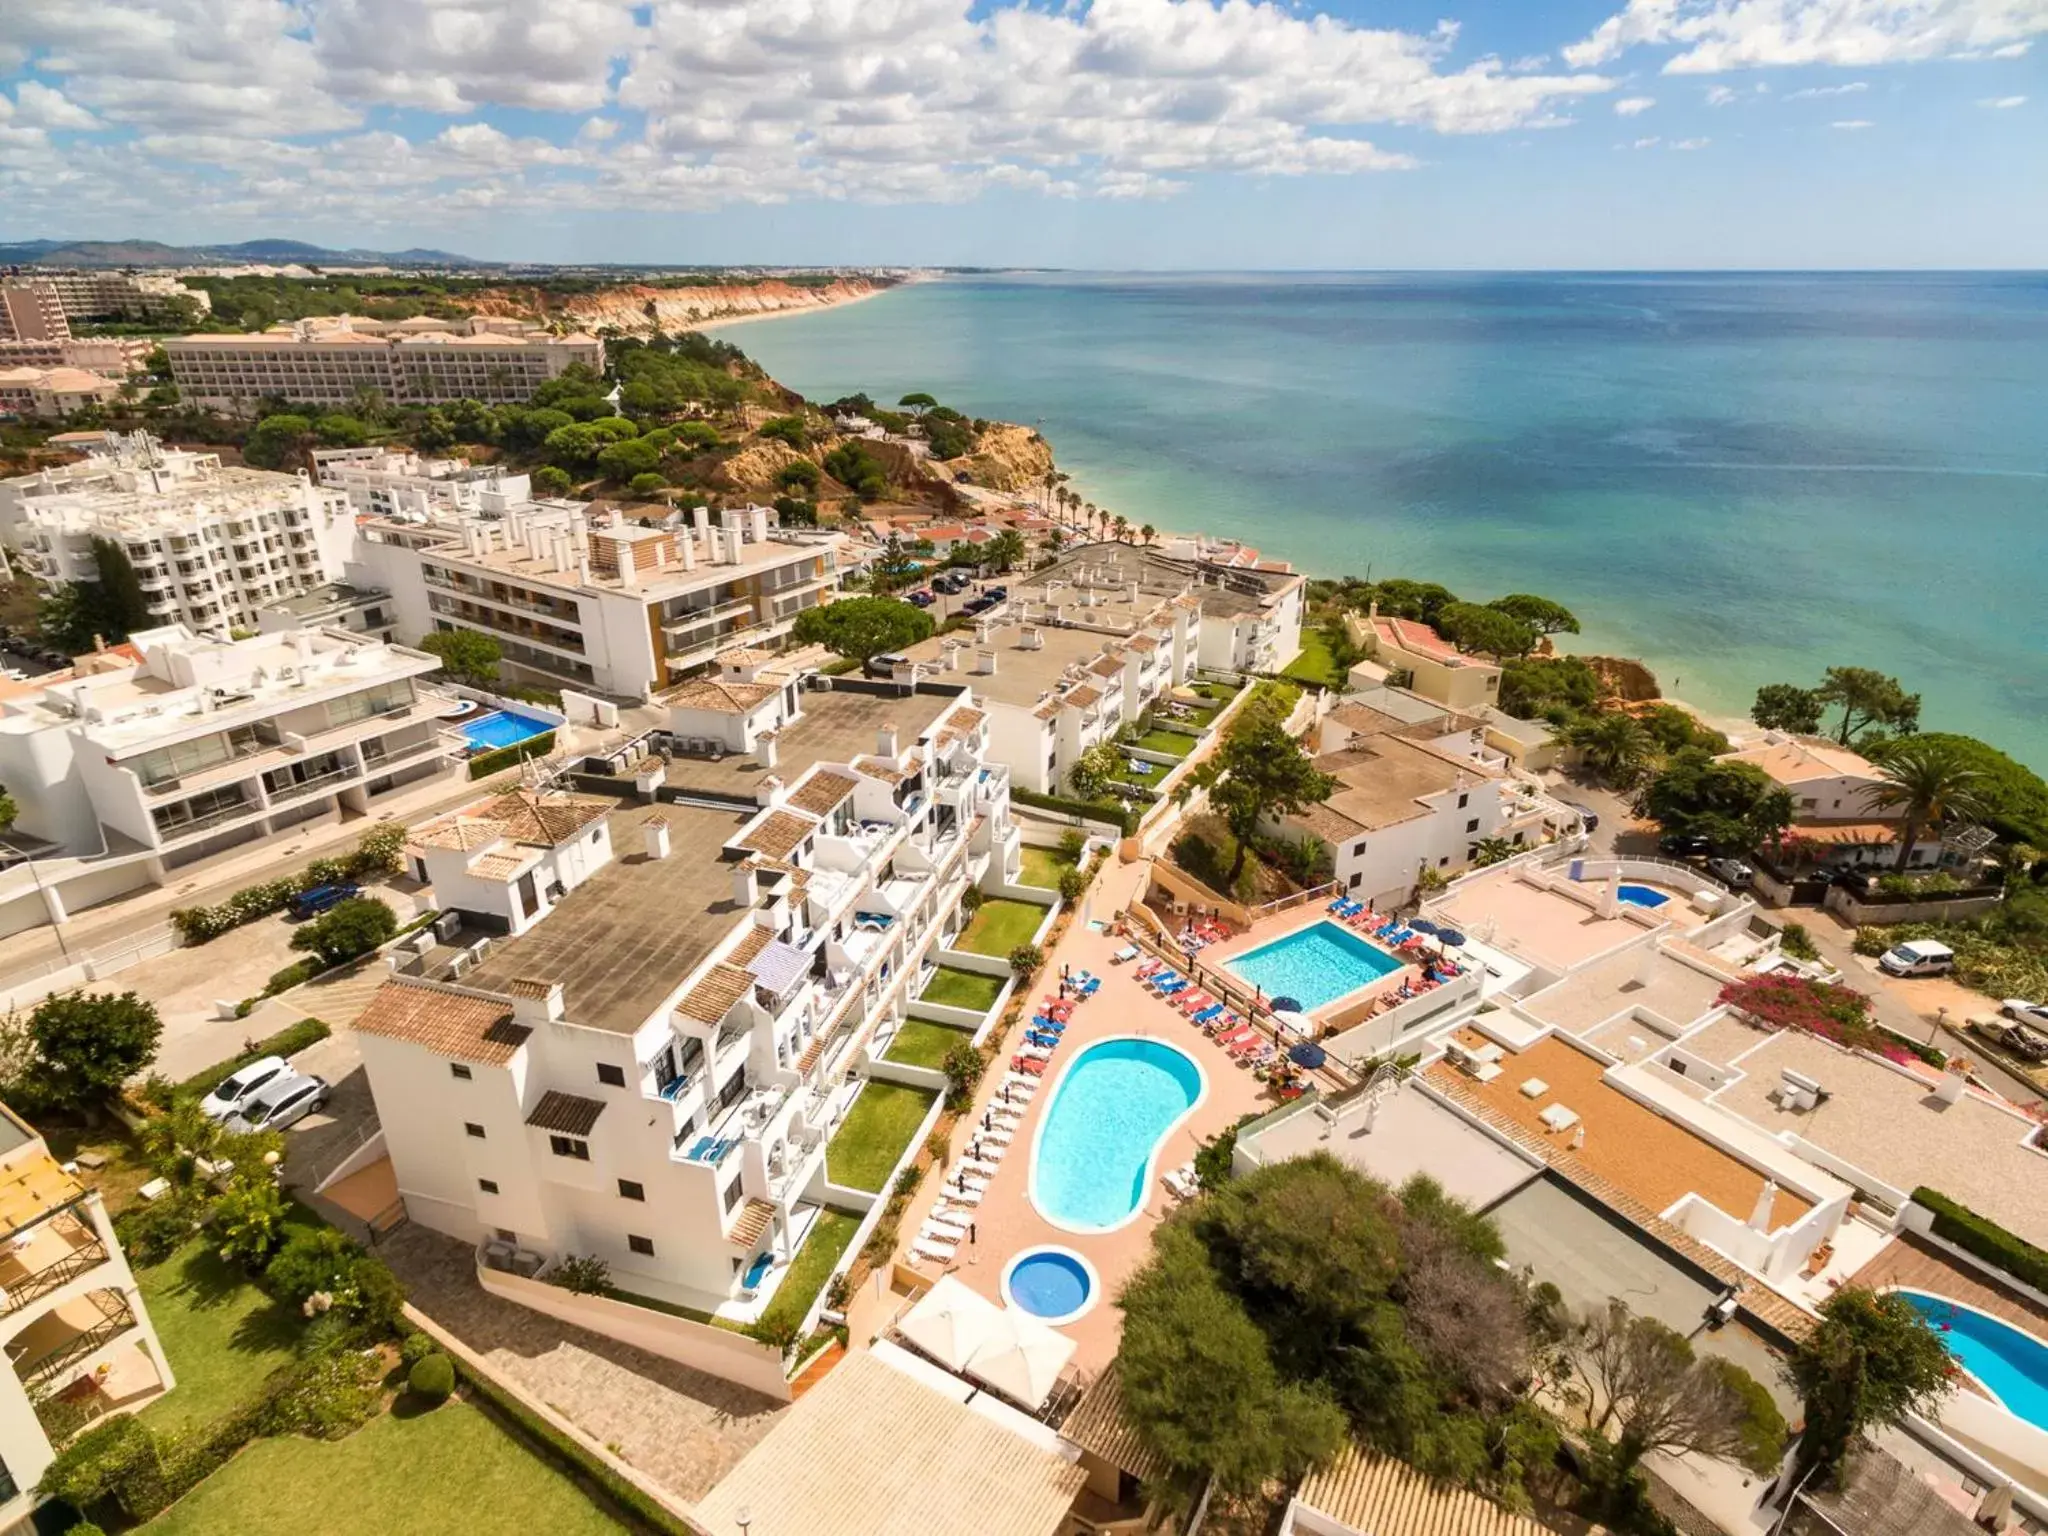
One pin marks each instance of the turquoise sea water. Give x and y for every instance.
(1739, 478)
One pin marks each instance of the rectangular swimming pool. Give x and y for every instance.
(501, 728)
(1314, 965)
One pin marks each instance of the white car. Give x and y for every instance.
(2025, 1012)
(280, 1103)
(237, 1086)
(1734, 871)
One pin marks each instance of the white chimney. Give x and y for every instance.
(1766, 1198)
(1646, 964)
(687, 549)
(885, 741)
(1950, 1089)
(770, 792)
(701, 517)
(765, 746)
(746, 890)
(985, 662)
(655, 829)
(629, 569)
(535, 1002)
(760, 519)
(1031, 638)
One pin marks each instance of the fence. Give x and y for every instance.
(26, 988)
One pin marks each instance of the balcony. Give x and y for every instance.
(45, 1257)
(66, 1336)
(697, 618)
(320, 783)
(178, 831)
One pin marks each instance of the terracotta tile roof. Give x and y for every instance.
(797, 874)
(501, 867)
(822, 791)
(753, 1221)
(880, 768)
(713, 997)
(1370, 1492)
(461, 832)
(1100, 1426)
(778, 835)
(529, 986)
(967, 719)
(750, 945)
(721, 697)
(568, 1113)
(1107, 666)
(451, 1024)
(743, 656)
(544, 820)
(1142, 643)
(1083, 697)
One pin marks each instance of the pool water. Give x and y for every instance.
(1314, 965)
(2012, 1365)
(1096, 1148)
(1052, 1283)
(501, 728)
(1642, 895)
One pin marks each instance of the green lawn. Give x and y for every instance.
(1222, 693)
(1172, 743)
(953, 988)
(863, 1151)
(222, 1333)
(1315, 664)
(1150, 776)
(921, 1043)
(814, 1261)
(1000, 926)
(1042, 867)
(403, 1474)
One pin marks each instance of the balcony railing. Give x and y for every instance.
(172, 831)
(57, 1361)
(281, 793)
(21, 1292)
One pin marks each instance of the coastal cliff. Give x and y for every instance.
(1009, 457)
(637, 308)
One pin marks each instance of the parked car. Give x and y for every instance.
(1678, 847)
(1918, 957)
(236, 1087)
(2017, 1038)
(884, 665)
(997, 593)
(980, 604)
(2025, 1012)
(281, 1102)
(312, 903)
(1588, 817)
(922, 597)
(1731, 871)
(950, 583)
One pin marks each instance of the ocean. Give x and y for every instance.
(1738, 478)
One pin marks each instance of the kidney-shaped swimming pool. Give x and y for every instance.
(1098, 1145)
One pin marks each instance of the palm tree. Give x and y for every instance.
(1927, 782)
(1087, 514)
(1614, 745)
(1148, 533)
(1121, 527)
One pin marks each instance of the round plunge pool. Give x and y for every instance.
(1053, 1284)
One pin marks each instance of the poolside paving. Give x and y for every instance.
(1007, 1222)
(1543, 925)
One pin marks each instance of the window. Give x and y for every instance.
(488, 1186)
(731, 1197)
(459, 1069)
(610, 1075)
(570, 1146)
(473, 1129)
(506, 1234)
(1463, 801)
(632, 1189)
(1443, 862)
(1472, 825)
(644, 1246)
(9, 1489)
(1358, 850)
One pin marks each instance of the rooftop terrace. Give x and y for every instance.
(837, 726)
(1643, 977)
(1543, 925)
(1024, 673)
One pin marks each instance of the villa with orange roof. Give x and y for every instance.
(1440, 670)
(1831, 789)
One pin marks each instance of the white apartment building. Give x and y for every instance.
(387, 482)
(114, 356)
(598, 603)
(123, 295)
(333, 360)
(32, 311)
(645, 1064)
(1417, 789)
(169, 748)
(210, 543)
(78, 1338)
(52, 393)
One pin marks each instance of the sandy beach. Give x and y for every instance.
(841, 302)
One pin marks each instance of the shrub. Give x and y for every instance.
(1117, 814)
(296, 974)
(1025, 959)
(908, 1180)
(1072, 883)
(1798, 943)
(248, 1219)
(325, 1397)
(100, 1464)
(415, 1347)
(584, 1274)
(963, 1067)
(1984, 1238)
(152, 1233)
(1073, 843)
(85, 1045)
(431, 1379)
(484, 764)
(347, 930)
(312, 1259)
(379, 851)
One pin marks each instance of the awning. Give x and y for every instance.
(951, 1323)
(1023, 1360)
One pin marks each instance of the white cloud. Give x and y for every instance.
(1634, 106)
(41, 106)
(1853, 124)
(1815, 92)
(1713, 36)
(1690, 143)
(2003, 103)
(1719, 95)
(1650, 143)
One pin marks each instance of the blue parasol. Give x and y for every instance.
(1423, 925)
(1287, 1005)
(1450, 938)
(1308, 1054)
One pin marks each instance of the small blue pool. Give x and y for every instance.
(501, 728)
(2013, 1366)
(1314, 965)
(1100, 1138)
(1642, 895)
(1055, 1284)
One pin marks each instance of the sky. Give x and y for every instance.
(1117, 134)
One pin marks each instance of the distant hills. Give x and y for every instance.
(153, 253)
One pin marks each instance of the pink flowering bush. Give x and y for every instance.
(1833, 1012)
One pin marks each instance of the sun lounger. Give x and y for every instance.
(933, 1252)
(1181, 1183)
(1261, 1056)
(945, 1231)
(962, 1197)
(1149, 969)
(1212, 1011)
(981, 1166)
(1018, 1087)
(1026, 1063)
(1001, 1135)
(1194, 1002)
(1128, 952)
(1244, 1049)
(1231, 1036)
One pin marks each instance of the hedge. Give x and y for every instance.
(377, 852)
(484, 764)
(572, 1456)
(1985, 1239)
(286, 1042)
(1123, 816)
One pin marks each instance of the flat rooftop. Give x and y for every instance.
(837, 726)
(1643, 977)
(1639, 1151)
(1548, 927)
(1411, 1134)
(1893, 1127)
(624, 940)
(1381, 780)
(1023, 674)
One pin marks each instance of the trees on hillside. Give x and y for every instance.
(2012, 798)
(1871, 1361)
(1614, 746)
(1870, 702)
(1556, 688)
(1539, 613)
(861, 628)
(1732, 805)
(1787, 707)
(1259, 772)
(1486, 631)
(77, 1048)
(854, 467)
(1926, 783)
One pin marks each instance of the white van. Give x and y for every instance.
(1918, 957)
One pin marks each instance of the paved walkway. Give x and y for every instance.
(680, 1427)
